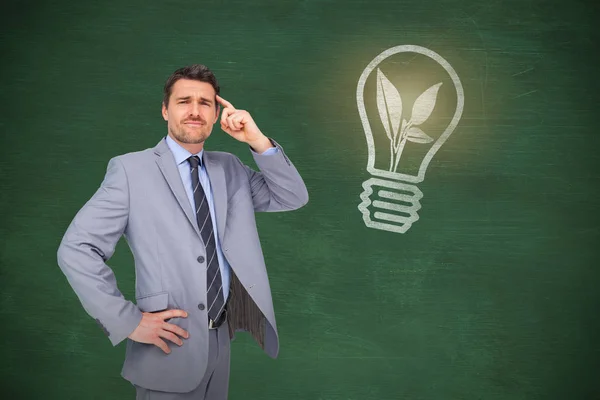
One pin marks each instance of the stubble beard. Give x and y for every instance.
(184, 135)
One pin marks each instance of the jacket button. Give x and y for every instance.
(201, 306)
(200, 259)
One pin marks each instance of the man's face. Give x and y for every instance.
(192, 111)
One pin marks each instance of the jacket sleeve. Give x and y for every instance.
(278, 186)
(88, 243)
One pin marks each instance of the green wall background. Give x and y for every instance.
(493, 292)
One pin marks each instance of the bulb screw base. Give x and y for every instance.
(389, 205)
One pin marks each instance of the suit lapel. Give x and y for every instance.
(166, 164)
(216, 175)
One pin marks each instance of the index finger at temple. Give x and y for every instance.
(224, 102)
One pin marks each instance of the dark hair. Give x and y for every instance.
(196, 72)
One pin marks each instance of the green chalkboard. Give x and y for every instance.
(491, 292)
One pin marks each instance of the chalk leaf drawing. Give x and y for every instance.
(389, 105)
(417, 135)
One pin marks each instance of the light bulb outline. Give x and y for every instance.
(460, 99)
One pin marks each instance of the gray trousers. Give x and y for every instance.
(214, 384)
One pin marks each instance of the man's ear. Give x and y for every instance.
(217, 113)
(164, 112)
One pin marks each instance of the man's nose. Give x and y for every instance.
(195, 110)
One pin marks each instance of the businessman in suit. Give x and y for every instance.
(187, 215)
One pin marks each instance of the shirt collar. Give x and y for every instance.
(181, 154)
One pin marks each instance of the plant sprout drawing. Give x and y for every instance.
(389, 105)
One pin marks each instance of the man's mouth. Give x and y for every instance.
(194, 123)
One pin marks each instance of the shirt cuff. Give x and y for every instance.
(269, 151)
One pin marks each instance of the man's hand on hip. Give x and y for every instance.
(153, 327)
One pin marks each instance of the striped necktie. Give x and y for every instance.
(214, 285)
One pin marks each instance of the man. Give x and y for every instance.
(188, 217)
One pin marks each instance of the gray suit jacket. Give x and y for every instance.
(142, 197)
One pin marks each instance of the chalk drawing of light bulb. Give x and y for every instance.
(390, 199)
